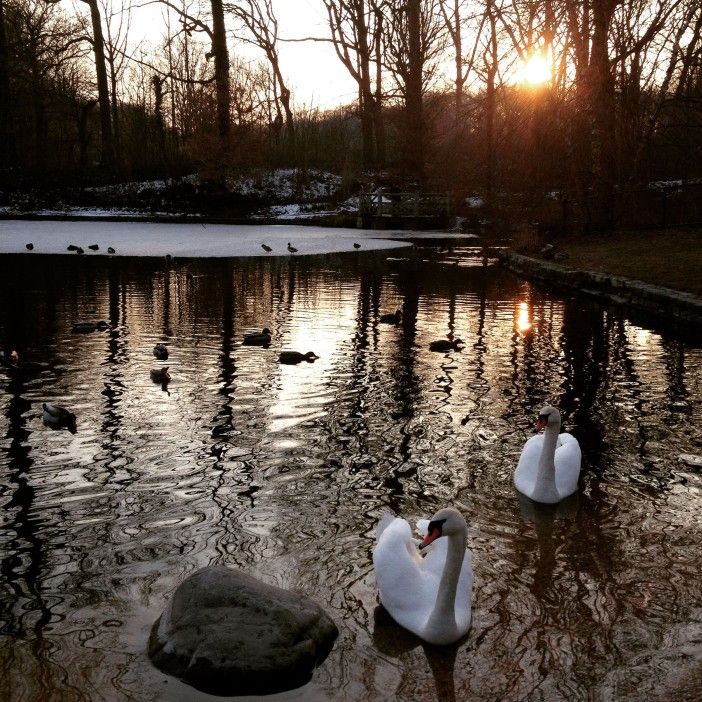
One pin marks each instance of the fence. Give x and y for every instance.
(387, 205)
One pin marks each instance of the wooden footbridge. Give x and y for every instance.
(384, 209)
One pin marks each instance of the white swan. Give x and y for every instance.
(428, 595)
(549, 466)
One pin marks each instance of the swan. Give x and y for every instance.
(549, 466)
(430, 596)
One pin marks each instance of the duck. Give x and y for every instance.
(266, 248)
(79, 250)
(88, 327)
(58, 417)
(160, 375)
(291, 248)
(161, 352)
(262, 338)
(291, 357)
(431, 595)
(29, 246)
(9, 359)
(392, 317)
(94, 247)
(71, 247)
(356, 245)
(445, 345)
(549, 465)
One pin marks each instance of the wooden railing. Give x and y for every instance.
(383, 203)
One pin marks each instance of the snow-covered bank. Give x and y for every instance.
(184, 240)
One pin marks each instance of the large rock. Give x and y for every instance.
(227, 633)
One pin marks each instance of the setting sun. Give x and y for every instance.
(535, 70)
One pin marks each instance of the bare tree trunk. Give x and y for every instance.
(490, 103)
(107, 154)
(414, 145)
(378, 122)
(221, 67)
(115, 114)
(7, 155)
(367, 107)
(601, 86)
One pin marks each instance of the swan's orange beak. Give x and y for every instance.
(540, 424)
(431, 536)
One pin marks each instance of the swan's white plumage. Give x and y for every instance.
(408, 583)
(549, 486)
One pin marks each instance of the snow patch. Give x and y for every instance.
(185, 240)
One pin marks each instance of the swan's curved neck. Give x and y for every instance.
(546, 474)
(445, 605)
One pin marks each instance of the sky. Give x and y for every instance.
(315, 75)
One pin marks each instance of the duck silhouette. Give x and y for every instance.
(392, 317)
(266, 248)
(88, 327)
(291, 248)
(293, 357)
(58, 417)
(262, 338)
(161, 352)
(160, 375)
(445, 345)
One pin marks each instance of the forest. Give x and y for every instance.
(585, 102)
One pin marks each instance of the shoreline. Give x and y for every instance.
(680, 311)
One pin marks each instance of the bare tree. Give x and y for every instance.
(356, 31)
(117, 25)
(97, 41)
(219, 52)
(259, 19)
(415, 42)
(7, 151)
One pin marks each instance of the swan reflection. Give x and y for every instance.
(394, 641)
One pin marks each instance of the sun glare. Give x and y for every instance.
(535, 70)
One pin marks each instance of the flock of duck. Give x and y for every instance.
(110, 250)
(77, 249)
(294, 250)
(425, 585)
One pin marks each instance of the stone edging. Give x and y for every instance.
(683, 310)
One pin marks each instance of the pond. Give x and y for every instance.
(286, 470)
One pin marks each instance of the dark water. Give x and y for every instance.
(285, 470)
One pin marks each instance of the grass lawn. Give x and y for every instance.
(672, 257)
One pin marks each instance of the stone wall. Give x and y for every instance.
(678, 309)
